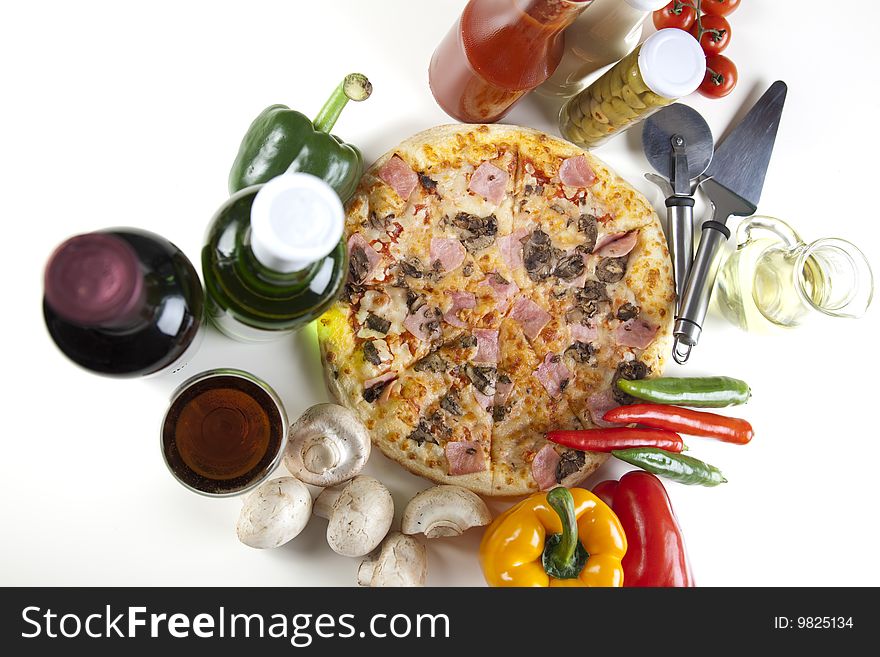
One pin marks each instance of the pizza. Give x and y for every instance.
(501, 281)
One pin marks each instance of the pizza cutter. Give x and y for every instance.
(678, 144)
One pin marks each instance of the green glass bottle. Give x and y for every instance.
(274, 258)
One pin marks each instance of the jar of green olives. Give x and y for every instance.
(670, 64)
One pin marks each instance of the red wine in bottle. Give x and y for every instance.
(123, 302)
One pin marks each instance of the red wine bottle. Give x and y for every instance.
(123, 302)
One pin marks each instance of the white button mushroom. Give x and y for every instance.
(360, 514)
(327, 445)
(444, 511)
(401, 561)
(276, 512)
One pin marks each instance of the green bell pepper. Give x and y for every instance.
(281, 139)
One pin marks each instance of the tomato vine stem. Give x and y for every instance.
(696, 5)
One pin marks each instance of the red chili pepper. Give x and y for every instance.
(607, 440)
(684, 420)
(656, 554)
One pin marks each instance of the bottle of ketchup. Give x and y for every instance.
(498, 51)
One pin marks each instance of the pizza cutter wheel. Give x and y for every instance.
(678, 143)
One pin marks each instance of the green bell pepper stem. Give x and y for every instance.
(354, 87)
(564, 555)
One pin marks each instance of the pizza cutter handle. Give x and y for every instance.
(680, 238)
(698, 289)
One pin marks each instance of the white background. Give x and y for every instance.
(131, 113)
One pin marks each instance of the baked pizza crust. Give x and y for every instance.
(456, 148)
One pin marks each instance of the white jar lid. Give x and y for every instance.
(672, 63)
(296, 219)
(647, 5)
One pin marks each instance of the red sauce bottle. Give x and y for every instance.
(496, 52)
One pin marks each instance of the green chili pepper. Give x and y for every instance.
(281, 139)
(677, 467)
(702, 392)
(564, 555)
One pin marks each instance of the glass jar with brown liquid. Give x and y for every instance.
(224, 433)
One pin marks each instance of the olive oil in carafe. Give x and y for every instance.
(761, 287)
(778, 281)
(735, 285)
(274, 258)
(781, 288)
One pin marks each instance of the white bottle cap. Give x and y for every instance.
(672, 63)
(647, 5)
(296, 219)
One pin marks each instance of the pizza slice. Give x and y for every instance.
(469, 172)
(619, 323)
(560, 185)
(528, 402)
(568, 206)
(424, 215)
(432, 417)
(372, 334)
(470, 202)
(588, 336)
(393, 200)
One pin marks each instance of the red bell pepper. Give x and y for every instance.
(656, 555)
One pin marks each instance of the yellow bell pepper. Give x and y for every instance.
(565, 537)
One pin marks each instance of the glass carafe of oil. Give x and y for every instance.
(775, 279)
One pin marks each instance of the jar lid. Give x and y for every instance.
(672, 63)
(94, 279)
(647, 5)
(296, 219)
